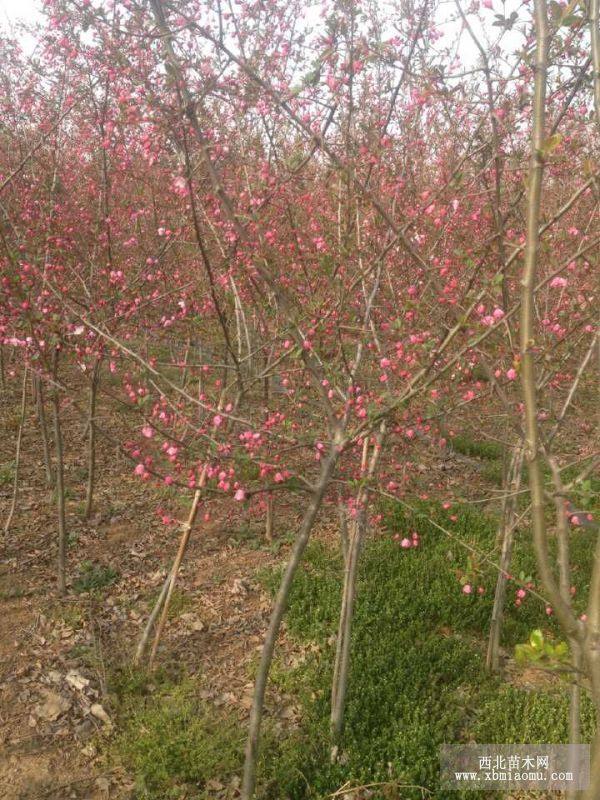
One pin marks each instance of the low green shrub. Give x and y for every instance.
(7, 473)
(476, 448)
(174, 743)
(417, 675)
(529, 716)
(93, 577)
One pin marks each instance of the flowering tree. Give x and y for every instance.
(294, 249)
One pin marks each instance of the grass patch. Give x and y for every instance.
(180, 602)
(7, 474)
(489, 451)
(417, 674)
(175, 743)
(94, 577)
(529, 717)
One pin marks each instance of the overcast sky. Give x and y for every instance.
(13, 10)
(28, 10)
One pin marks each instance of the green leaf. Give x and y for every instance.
(521, 653)
(536, 639)
(551, 143)
(570, 21)
(561, 650)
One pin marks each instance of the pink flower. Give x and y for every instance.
(521, 593)
(511, 374)
(549, 611)
(467, 589)
(180, 186)
(487, 4)
(168, 480)
(139, 470)
(217, 420)
(147, 432)
(405, 543)
(558, 282)
(239, 495)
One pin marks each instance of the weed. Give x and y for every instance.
(527, 716)
(180, 602)
(175, 743)
(93, 577)
(476, 449)
(7, 474)
(417, 675)
(248, 536)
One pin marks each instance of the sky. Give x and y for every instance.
(12, 11)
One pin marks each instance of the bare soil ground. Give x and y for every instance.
(56, 655)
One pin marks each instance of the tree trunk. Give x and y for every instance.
(358, 528)
(60, 483)
(343, 518)
(143, 642)
(249, 779)
(183, 543)
(507, 530)
(2, 373)
(13, 504)
(270, 517)
(342, 659)
(43, 423)
(91, 478)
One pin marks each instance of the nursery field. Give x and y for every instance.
(81, 720)
(299, 421)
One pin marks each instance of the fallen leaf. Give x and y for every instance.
(53, 706)
(76, 680)
(98, 711)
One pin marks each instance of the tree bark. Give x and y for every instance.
(269, 522)
(43, 423)
(527, 335)
(13, 504)
(91, 478)
(60, 483)
(256, 713)
(507, 534)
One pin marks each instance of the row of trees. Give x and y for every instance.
(301, 251)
